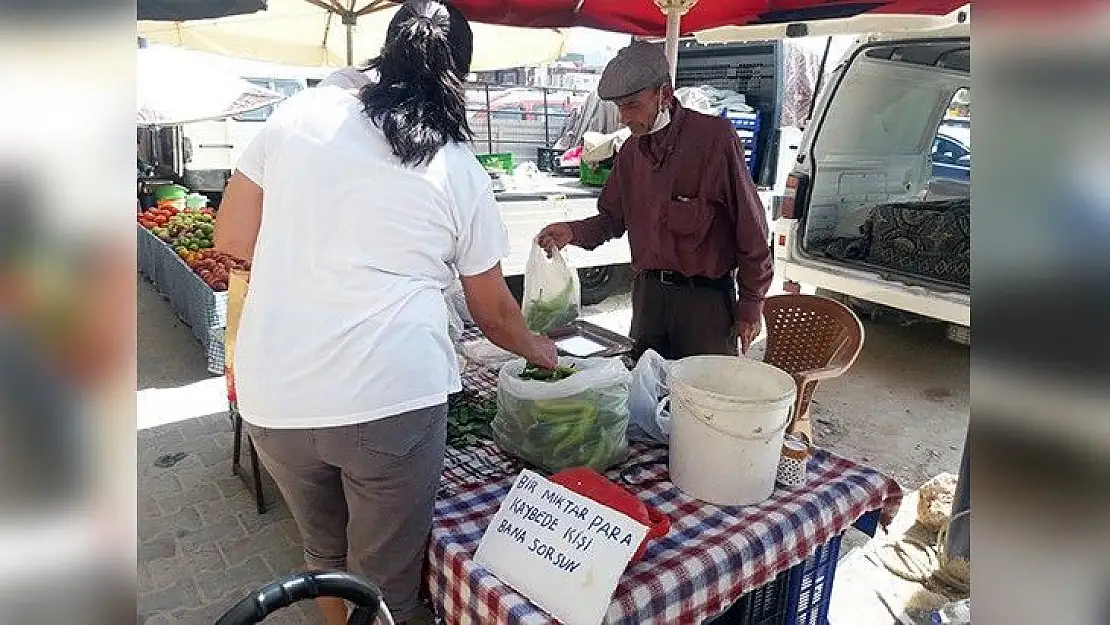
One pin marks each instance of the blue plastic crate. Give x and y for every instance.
(748, 123)
(797, 596)
(809, 587)
(743, 121)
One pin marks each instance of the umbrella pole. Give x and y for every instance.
(674, 19)
(350, 43)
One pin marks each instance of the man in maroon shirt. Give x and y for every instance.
(681, 189)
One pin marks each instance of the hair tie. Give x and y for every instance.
(429, 9)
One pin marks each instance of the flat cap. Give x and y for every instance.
(640, 66)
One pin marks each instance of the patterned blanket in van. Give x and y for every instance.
(926, 239)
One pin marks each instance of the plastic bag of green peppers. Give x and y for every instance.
(580, 420)
(552, 292)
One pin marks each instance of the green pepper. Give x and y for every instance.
(601, 457)
(555, 409)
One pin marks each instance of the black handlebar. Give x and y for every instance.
(287, 591)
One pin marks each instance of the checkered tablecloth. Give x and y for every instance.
(193, 301)
(711, 557)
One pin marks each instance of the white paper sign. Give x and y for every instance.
(562, 551)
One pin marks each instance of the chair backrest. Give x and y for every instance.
(806, 332)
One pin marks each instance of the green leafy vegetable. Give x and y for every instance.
(532, 372)
(542, 315)
(468, 419)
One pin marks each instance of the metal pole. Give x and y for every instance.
(489, 122)
(958, 543)
(674, 20)
(546, 121)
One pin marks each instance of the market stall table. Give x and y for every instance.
(193, 301)
(710, 559)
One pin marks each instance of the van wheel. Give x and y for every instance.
(598, 283)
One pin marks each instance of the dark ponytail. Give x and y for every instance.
(418, 99)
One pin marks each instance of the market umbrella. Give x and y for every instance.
(672, 18)
(175, 86)
(184, 10)
(338, 33)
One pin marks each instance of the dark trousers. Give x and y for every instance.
(679, 321)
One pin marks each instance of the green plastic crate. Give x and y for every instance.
(593, 175)
(500, 163)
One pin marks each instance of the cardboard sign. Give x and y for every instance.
(563, 551)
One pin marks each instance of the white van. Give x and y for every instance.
(212, 148)
(865, 214)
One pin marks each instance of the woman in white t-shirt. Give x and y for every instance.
(357, 208)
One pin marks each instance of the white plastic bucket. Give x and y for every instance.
(728, 419)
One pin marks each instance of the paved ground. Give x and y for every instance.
(903, 409)
(202, 544)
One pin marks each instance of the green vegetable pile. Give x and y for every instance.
(542, 315)
(586, 430)
(468, 419)
(532, 372)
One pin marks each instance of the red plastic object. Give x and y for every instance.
(595, 486)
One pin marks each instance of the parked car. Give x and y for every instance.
(530, 105)
(952, 151)
(877, 207)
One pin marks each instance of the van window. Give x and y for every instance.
(951, 151)
(285, 86)
(881, 114)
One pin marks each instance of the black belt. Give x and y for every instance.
(673, 278)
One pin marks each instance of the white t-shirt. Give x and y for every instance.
(345, 321)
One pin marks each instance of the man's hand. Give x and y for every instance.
(748, 333)
(555, 237)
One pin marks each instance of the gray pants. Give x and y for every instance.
(363, 495)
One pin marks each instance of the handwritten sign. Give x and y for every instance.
(563, 551)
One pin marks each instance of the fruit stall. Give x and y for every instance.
(175, 254)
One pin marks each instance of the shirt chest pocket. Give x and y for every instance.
(688, 216)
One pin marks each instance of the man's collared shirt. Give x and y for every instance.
(687, 201)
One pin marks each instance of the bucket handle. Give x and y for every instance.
(708, 422)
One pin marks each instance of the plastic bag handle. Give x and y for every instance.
(662, 408)
(701, 416)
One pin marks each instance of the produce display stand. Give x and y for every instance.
(773, 563)
(193, 301)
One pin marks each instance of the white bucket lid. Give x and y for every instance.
(734, 379)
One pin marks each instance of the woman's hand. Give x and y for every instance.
(544, 353)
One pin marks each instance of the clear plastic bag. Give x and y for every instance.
(552, 293)
(647, 400)
(580, 421)
(484, 352)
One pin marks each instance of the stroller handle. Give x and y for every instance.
(289, 590)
